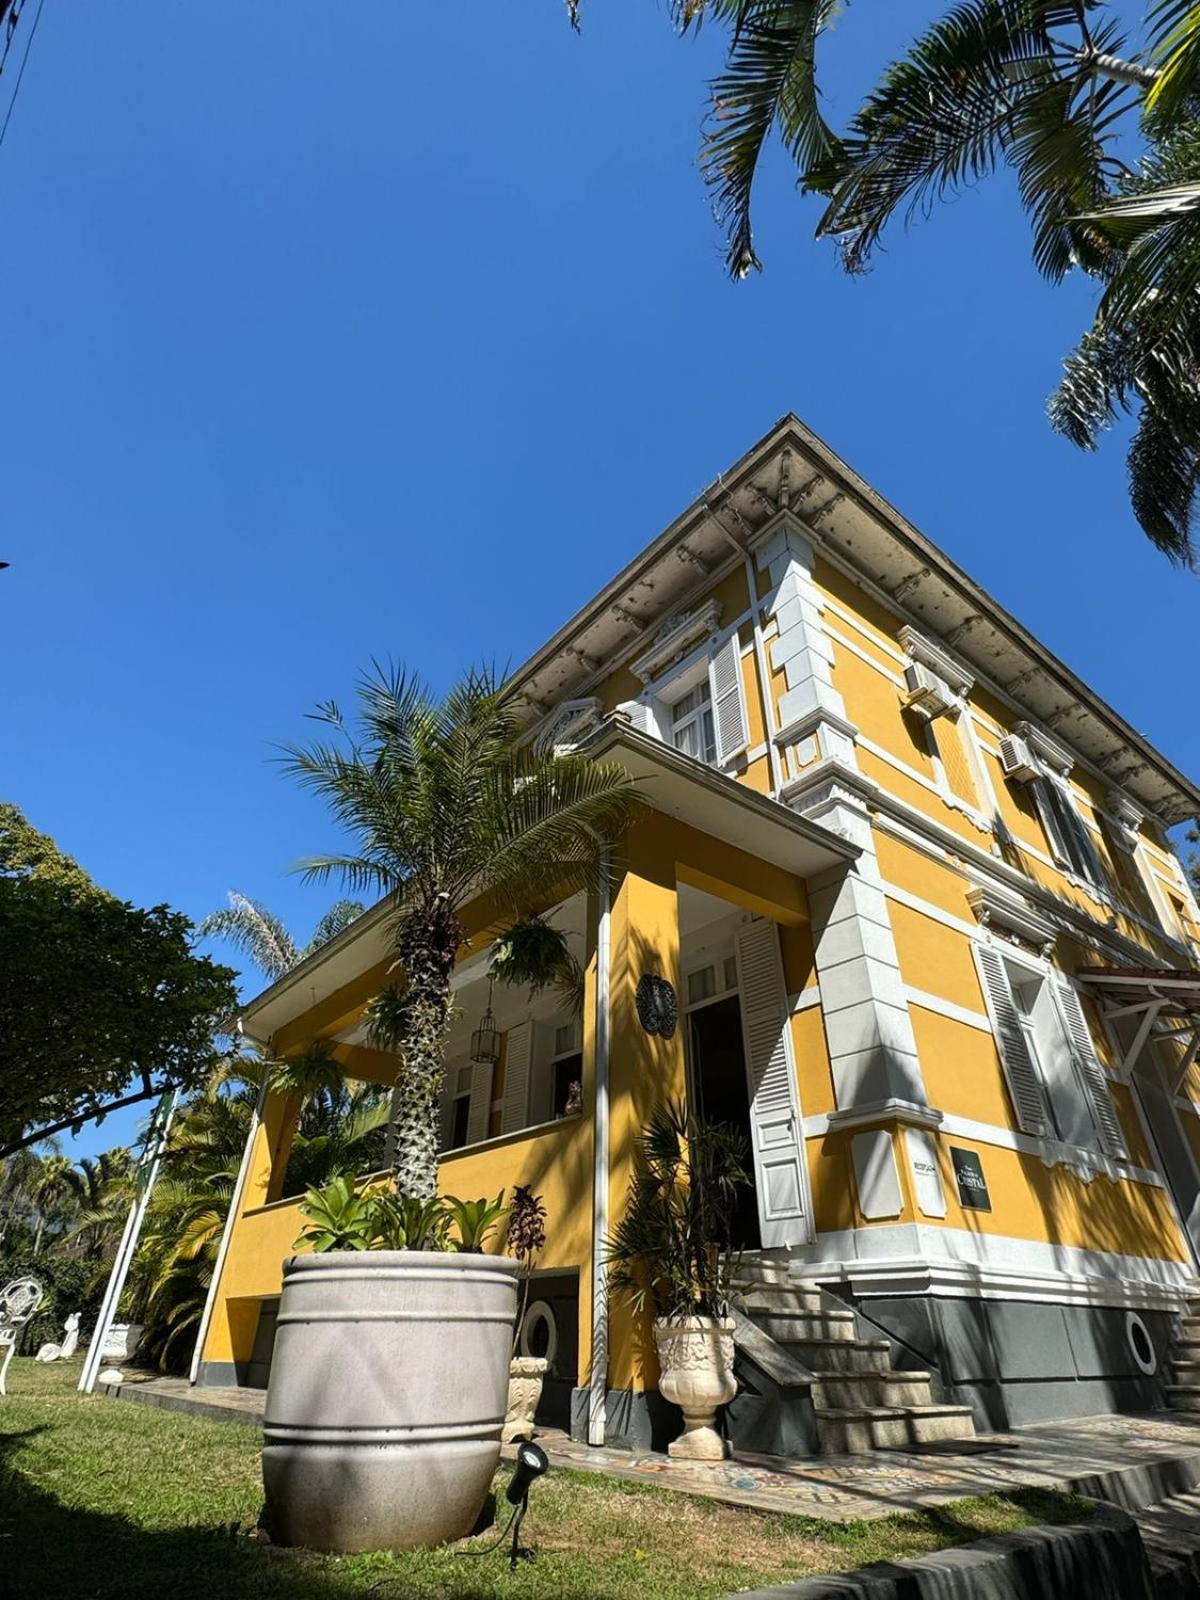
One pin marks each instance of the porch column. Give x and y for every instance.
(645, 1069)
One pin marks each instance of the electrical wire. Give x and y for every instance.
(37, 17)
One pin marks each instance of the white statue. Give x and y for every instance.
(18, 1302)
(61, 1352)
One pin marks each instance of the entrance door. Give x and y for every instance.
(721, 1093)
(1174, 1152)
(775, 1125)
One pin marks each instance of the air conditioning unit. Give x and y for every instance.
(928, 695)
(1018, 760)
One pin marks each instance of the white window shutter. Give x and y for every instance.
(1091, 1072)
(728, 699)
(480, 1113)
(1024, 1085)
(1050, 822)
(518, 1057)
(638, 713)
(775, 1126)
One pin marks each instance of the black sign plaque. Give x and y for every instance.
(972, 1185)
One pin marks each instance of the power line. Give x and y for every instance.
(37, 17)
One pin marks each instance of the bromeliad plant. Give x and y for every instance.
(446, 802)
(341, 1218)
(672, 1252)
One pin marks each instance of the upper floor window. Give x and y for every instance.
(692, 728)
(1070, 841)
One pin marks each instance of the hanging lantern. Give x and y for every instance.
(485, 1041)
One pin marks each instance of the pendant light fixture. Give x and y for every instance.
(485, 1041)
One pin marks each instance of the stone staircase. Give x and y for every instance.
(860, 1402)
(1184, 1393)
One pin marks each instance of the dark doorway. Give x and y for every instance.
(721, 1094)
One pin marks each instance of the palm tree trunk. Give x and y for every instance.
(37, 1238)
(428, 946)
(1116, 68)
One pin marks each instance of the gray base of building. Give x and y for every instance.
(635, 1419)
(1016, 1362)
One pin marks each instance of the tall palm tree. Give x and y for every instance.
(259, 933)
(444, 802)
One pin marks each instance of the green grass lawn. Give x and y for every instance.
(102, 1499)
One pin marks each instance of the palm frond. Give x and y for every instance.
(1175, 54)
(336, 920)
(769, 84)
(255, 931)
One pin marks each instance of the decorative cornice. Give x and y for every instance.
(676, 638)
(920, 648)
(999, 909)
(800, 727)
(1125, 811)
(1046, 749)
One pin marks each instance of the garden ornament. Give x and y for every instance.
(63, 1351)
(19, 1300)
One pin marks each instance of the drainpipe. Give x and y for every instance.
(235, 1206)
(598, 1377)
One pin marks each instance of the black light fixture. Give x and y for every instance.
(657, 1008)
(532, 1462)
(485, 1041)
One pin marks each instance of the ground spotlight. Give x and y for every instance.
(532, 1462)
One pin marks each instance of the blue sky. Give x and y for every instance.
(396, 330)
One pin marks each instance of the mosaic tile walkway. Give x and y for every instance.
(1107, 1457)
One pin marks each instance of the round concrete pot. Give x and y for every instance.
(525, 1377)
(388, 1390)
(695, 1358)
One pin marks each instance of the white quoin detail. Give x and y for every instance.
(775, 1126)
(728, 700)
(518, 1055)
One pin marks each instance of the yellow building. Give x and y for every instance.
(909, 880)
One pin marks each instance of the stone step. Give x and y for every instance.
(1186, 1350)
(786, 1327)
(766, 1298)
(857, 1431)
(1189, 1328)
(857, 1391)
(1183, 1396)
(840, 1355)
(1186, 1373)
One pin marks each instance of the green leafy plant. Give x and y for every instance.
(476, 1220)
(406, 1223)
(672, 1251)
(339, 1218)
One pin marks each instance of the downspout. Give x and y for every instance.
(235, 1205)
(598, 1377)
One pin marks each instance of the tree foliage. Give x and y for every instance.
(101, 1003)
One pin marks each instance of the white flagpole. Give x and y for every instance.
(146, 1174)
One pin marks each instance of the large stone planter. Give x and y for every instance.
(695, 1357)
(525, 1377)
(387, 1396)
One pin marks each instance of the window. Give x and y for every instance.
(1070, 841)
(705, 983)
(692, 727)
(948, 739)
(457, 1117)
(566, 1069)
(1050, 1050)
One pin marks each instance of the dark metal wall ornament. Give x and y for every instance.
(657, 1008)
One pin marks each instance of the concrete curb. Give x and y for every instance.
(1101, 1558)
(179, 1404)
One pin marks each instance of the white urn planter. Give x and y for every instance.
(525, 1377)
(387, 1397)
(695, 1358)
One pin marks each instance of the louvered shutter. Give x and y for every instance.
(481, 1102)
(518, 1056)
(1091, 1072)
(775, 1126)
(638, 713)
(1024, 1084)
(728, 700)
(1048, 812)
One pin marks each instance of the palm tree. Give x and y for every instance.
(259, 934)
(445, 802)
(1046, 88)
(99, 1191)
(51, 1194)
